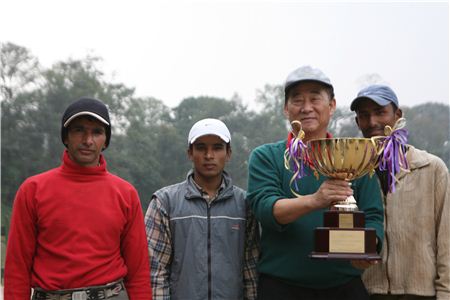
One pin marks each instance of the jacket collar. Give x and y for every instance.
(416, 159)
(194, 193)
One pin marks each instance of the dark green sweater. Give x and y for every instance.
(285, 248)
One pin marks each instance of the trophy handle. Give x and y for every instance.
(377, 142)
(300, 134)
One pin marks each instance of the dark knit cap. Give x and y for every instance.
(86, 107)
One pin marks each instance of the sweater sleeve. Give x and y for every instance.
(135, 253)
(369, 199)
(442, 219)
(264, 187)
(21, 245)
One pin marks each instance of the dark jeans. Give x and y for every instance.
(401, 297)
(271, 288)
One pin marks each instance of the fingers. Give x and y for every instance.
(338, 188)
(338, 183)
(363, 264)
(332, 191)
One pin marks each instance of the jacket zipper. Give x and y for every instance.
(209, 251)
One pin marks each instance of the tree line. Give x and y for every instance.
(149, 141)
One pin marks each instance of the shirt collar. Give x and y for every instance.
(291, 136)
(205, 194)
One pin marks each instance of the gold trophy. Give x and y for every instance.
(344, 235)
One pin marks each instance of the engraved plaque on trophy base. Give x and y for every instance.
(344, 237)
(343, 241)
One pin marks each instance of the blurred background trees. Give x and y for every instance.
(149, 141)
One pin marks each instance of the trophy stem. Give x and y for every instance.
(344, 235)
(348, 204)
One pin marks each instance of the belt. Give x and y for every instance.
(88, 293)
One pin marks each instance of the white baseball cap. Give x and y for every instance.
(209, 127)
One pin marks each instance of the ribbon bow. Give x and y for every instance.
(295, 155)
(394, 154)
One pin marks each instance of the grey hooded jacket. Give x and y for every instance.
(208, 241)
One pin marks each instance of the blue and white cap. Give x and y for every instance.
(381, 94)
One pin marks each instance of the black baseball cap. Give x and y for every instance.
(86, 106)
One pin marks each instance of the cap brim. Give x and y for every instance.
(222, 137)
(378, 100)
(290, 84)
(83, 113)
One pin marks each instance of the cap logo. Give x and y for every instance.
(209, 127)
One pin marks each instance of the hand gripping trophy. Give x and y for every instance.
(344, 235)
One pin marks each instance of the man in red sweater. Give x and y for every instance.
(77, 231)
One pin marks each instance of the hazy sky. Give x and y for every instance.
(171, 50)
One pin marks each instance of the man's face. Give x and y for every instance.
(372, 118)
(309, 103)
(209, 154)
(85, 141)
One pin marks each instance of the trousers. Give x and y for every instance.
(271, 288)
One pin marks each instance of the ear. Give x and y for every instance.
(228, 157)
(357, 121)
(332, 106)
(285, 110)
(398, 114)
(189, 153)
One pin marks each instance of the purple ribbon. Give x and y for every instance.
(394, 155)
(297, 153)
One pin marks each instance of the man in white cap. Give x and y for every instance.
(288, 219)
(416, 249)
(202, 239)
(77, 231)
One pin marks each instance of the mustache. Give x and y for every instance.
(378, 127)
(86, 148)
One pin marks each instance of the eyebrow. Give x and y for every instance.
(204, 144)
(82, 126)
(315, 91)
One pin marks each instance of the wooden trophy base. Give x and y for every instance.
(353, 256)
(345, 238)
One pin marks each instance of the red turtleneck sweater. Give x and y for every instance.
(73, 227)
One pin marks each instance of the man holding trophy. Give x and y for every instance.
(289, 208)
(416, 248)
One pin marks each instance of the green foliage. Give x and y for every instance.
(149, 142)
(19, 70)
(429, 128)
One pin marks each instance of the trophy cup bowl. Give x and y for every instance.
(344, 235)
